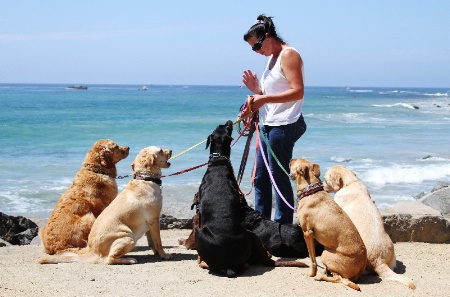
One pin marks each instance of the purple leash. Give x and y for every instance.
(271, 176)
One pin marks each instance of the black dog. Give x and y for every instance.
(222, 243)
(281, 240)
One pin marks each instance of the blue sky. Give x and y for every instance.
(343, 43)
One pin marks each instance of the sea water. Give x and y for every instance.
(395, 139)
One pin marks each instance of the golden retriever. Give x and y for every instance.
(354, 198)
(93, 189)
(345, 255)
(132, 214)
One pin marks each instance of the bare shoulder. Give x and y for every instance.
(291, 53)
(291, 57)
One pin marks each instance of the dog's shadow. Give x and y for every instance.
(373, 278)
(259, 269)
(143, 248)
(150, 257)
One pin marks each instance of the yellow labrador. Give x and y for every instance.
(354, 198)
(345, 255)
(92, 190)
(135, 212)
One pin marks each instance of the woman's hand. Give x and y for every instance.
(251, 81)
(256, 101)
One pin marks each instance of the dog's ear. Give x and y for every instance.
(208, 141)
(338, 183)
(316, 170)
(229, 125)
(105, 156)
(150, 160)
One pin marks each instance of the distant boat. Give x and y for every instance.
(78, 87)
(143, 88)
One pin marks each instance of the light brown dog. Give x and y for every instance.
(132, 214)
(354, 198)
(321, 218)
(93, 189)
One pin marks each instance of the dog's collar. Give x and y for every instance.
(225, 159)
(309, 190)
(97, 169)
(148, 176)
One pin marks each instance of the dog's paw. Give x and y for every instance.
(166, 256)
(312, 272)
(122, 261)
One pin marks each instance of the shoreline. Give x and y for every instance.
(424, 263)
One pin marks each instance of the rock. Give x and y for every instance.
(169, 222)
(415, 221)
(439, 185)
(36, 241)
(4, 243)
(438, 199)
(25, 237)
(420, 195)
(17, 230)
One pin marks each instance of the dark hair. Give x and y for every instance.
(262, 26)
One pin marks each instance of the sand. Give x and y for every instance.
(20, 275)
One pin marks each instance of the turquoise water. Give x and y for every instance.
(395, 139)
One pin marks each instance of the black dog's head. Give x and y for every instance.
(220, 139)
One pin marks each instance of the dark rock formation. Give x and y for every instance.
(17, 230)
(169, 222)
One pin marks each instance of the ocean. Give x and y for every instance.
(396, 140)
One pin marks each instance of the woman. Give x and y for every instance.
(279, 99)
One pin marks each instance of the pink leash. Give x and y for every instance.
(270, 173)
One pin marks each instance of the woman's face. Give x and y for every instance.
(260, 45)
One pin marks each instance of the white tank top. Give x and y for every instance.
(274, 82)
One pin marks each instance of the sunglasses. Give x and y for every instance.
(257, 46)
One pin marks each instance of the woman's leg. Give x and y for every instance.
(282, 140)
(263, 186)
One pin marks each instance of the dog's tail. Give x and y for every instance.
(385, 272)
(72, 256)
(289, 264)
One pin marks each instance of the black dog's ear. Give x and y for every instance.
(208, 141)
(229, 125)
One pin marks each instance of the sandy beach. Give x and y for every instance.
(426, 264)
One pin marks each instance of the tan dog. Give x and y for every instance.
(321, 218)
(93, 189)
(134, 212)
(354, 198)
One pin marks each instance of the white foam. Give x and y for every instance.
(342, 159)
(406, 174)
(360, 91)
(407, 105)
(437, 94)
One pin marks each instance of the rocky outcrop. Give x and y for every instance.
(17, 230)
(425, 220)
(169, 222)
(438, 199)
(417, 222)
